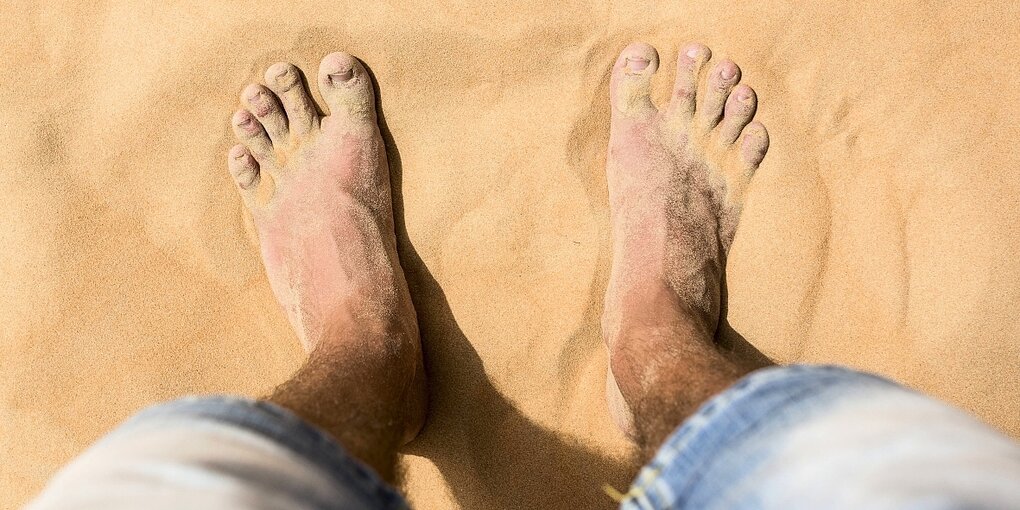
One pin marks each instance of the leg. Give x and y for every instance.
(790, 437)
(217, 452)
(677, 179)
(318, 189)
(805, 437)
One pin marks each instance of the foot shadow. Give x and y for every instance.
(491, 455)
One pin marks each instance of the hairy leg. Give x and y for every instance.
(318, 189)
(677, 179)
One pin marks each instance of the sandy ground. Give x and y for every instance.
(881, 231)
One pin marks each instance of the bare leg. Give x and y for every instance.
(677, 179)
(318, 189)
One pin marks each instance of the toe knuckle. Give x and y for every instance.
(262, 105)
(684, 93)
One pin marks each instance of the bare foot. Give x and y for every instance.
(677, 179)
(318, 188)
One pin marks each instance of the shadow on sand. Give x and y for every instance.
(491, 455)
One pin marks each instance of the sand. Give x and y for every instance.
(881, 232)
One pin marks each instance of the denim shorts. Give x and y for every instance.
(786, 437)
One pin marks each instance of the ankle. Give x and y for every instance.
(347, 395)
(665, 371)
(664, 389)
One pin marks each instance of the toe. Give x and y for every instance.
(249, 131)
(689, 66)
(630, 85)
(738, 112)
(244, 169)
(346, 88)
(286, 81)
(724, 76)
(265, 106)
(754, 145)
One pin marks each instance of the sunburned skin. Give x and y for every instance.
(677, 178)
(318, 189)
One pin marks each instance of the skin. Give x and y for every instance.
(677, 177)
(319, 192)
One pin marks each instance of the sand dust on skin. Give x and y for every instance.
(881, 230)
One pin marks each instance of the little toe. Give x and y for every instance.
(244, 169)
(738, 112)
(249, 131)
(630, 84)
(286, 81)
(346, 88)
(266, 108)
(689, 67)
(724, 76)
(754, 145)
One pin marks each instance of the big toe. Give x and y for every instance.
(630, 84)
(346, 87)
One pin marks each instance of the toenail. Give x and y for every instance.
(693, 53)
(743, 95)
(246, 122)
(282, 73)
(728, 72)
(341, 75)
(637, 63)
(285, 79)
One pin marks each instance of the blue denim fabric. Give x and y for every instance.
(790, 437)
(283, 428)
(707, 462)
